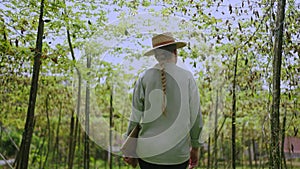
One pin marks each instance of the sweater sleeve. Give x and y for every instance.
(137, 106)
(195, 116)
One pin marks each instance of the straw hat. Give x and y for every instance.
(161, 40)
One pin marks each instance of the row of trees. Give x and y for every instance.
(238, 65)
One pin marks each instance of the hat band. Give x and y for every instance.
(163, 43)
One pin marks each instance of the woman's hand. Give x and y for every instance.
(194, 158)
(131, 161)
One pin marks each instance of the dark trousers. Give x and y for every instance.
(146, 165)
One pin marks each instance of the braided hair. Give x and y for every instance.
(163, 54)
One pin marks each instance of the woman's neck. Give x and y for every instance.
(171, 60)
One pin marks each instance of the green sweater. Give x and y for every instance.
(166, 139)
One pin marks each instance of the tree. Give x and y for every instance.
(275, 158)
(23, 154)
(87, 119)
(233, 118)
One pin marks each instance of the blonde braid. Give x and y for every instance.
(164, 87)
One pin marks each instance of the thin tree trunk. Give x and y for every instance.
(49, 131)
(250, 154)
(39, 149)
(243, 142)
(79, 156)
(73, 129)
(23, 154)
(76, 129)
(1, 133)
(71, 142)
(87, 119)
(260, 145)
(216, 132)
(268, 150)
(222, 125)
(56, 145)
(110, 127)
(233, 126)
(223, 151)
(95, 148)
(208, 153)
(254, 152)
(275, 159)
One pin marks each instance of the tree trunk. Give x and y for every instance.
(39, 148)
(56, 154)
(216, 133)
(243, 142)
(49, 131)
(254, 152)
(23, 154)
(79, 148)
(110, 127)
(73, 129)
(224, 156)
(233, 126)
(275, 160)
(250, 153)
(208, 153)
(87, 119)
(71, 142)
(1, 133)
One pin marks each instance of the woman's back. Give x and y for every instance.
(164, 137)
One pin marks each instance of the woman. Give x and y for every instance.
(166, 105)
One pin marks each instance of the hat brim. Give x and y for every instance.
(178, 45)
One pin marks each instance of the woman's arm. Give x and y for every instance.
(137, 106)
